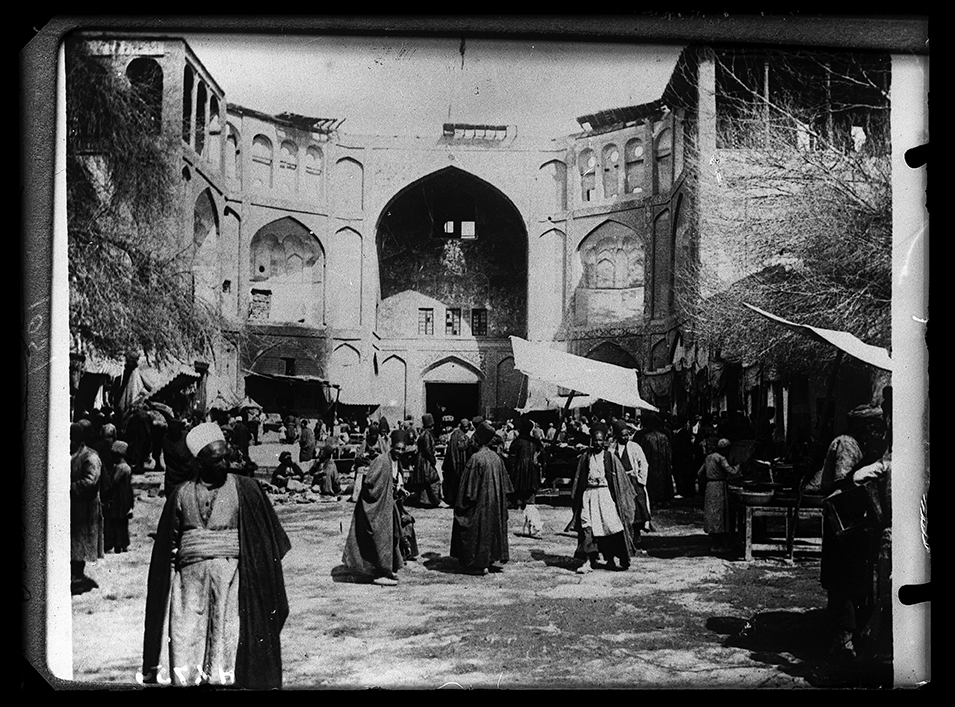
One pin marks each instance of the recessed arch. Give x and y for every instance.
(468, 239)
(452, 369)
(612, 352)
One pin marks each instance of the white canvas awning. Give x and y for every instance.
(842, 340)
(599, 380)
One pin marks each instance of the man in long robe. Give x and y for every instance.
(479, 529)
(636, 467)
(86, 515)
(424, 483)
(715, 474)
(306, 443)
(381, 536)
(656, 446)
(216, 601)
(455, 458)
(603, 507)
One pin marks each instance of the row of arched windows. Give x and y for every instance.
(610, 173)
(201, 119)
(289, 175)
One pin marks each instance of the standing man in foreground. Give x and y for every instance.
(603, 503)
(216, 602)
(479, 530)
(381, 536)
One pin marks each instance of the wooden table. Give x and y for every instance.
(743, 529)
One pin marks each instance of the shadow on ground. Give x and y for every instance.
(441, 563)
(669, 546)
(565, 562)
(797, 644)
(344, 575)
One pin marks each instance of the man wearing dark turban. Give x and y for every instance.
(479, 529)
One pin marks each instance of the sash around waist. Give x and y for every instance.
(198, 544)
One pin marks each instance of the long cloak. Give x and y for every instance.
(717, 471)
(424, 484)
(525, 473)
(620, 489)
(373, 543)
(263, 604)
(116, 493)
(86, 514)
(656, 446)
(479, 530)
(455, 458)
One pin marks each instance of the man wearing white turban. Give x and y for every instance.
(216, 564)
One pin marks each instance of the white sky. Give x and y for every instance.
(407, 86)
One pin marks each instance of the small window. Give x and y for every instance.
(449, 227)
(289, 366)
(426, 322)
(452, 322)
(479, 322)
(468, 231)
(227, 286)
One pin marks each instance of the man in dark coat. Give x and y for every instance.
(656, 446)
(216, 593)
(455, 458)
(424, 484)
(479, 530)
(381, 536)
(603, 505)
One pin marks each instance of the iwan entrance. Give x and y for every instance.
(455, 399)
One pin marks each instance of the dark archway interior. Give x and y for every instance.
(458, 400)
(457, 239)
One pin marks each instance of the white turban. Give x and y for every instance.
(201, 435)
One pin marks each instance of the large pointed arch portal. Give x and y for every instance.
(455, 238)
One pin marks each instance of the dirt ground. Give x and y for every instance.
(681, 617)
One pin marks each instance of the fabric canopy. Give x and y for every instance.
(842, 340)
(597, 379)
(542, 397)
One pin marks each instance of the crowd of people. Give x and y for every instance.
(222, 617)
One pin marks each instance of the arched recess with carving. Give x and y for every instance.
(287, 274)
(613, 265)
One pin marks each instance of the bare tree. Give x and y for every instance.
(800, 206)
(131, 284)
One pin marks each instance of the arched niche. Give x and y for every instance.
(393, 387)
(510, 384)
(347, 277)
(662, 264)
(287, 265)
(145, 76)
(349, 180)
(552, 186)
(205, 237)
